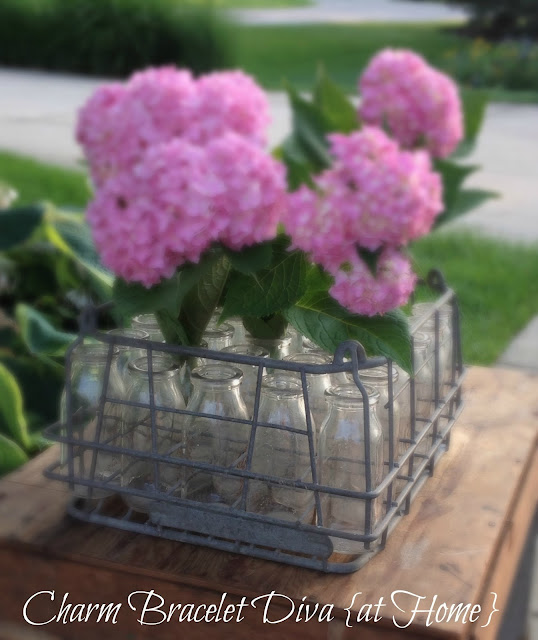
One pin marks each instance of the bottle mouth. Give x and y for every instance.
(223, 330)
(376, 375)
(247, 350)
(285, 384)
(95, 353)
(420, 309)
(219, 375)
(146, 320)
(132, 334)
(271, 342)
(350, 394)
(162, 366)
(311, 357)
(421, 340)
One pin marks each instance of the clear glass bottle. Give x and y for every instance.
(336, 378)
(317, 385)
(138, 473)
(445, 338)
(128, 354)
(402, 393)
(342, 463)
(378, 377)
(240, 333)
(218, 337)
(250, 372)
(309, 345)
(296, 345)
(216, 392)
(88, 368)
(278, 348)
(424, 385)
(281, 453)
(148, 322)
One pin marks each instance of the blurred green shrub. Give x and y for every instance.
(112, 37)
(48, 271)
(507, 65)
(500, 18)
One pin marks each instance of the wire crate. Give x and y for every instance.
(305, 541)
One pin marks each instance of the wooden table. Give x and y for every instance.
(461, 541)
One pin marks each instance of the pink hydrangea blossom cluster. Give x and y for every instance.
(179, 199)
(419, 104)
(178, 165)
(375, 197)
(359, 291)
(252, 197)
(229, 101)
(120, 122)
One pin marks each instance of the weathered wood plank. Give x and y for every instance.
(449, 546)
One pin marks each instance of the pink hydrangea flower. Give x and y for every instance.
(316, 228)
(96, 130)
(375, 195)
(419, 104)
(120, 122)
(252, 196)
(358, 290)
(149, 220)
(179, 199)
(229, 101)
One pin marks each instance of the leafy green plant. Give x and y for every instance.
(48, 271)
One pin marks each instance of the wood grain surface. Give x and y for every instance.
(462, 540)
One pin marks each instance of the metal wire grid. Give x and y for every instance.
(304, 542)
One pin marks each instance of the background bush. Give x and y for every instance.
(501, 18)
(111, 37)
(509, 65)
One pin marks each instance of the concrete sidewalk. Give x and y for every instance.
(346, 11)
(38, 114)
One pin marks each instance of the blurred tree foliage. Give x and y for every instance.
(497, 19)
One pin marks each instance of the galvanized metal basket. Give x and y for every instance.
(233, 528)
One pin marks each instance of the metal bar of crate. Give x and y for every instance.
(302, 543)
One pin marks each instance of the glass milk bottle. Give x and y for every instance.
(445, 338)
(278, 348)
(90, 421)
(216, 391)
(250, 372)
(281, 453)
(318, 383)
(128, 354)
(218, 337)
(239, 334)
(378, 378)
(342, 464)
(148, 322)
(424, 385)
(137, 473)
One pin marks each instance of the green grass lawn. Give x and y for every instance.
(35, 181)
(275, 53)
(497, 282)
